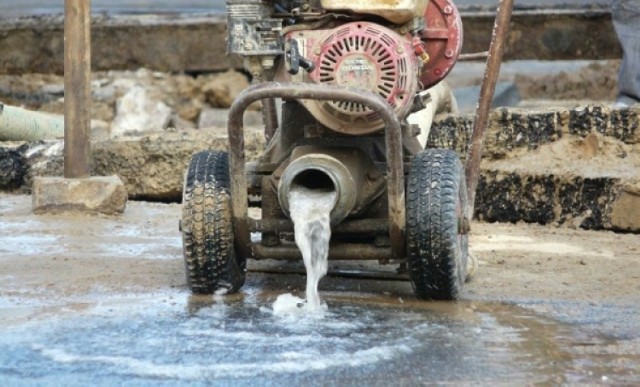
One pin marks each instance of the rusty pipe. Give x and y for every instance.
(494, 59)
(324, 172)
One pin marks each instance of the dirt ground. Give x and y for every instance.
(596, 81)
(65, 255)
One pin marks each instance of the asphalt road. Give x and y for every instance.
(10, 8)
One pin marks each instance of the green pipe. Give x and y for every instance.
(17, 124)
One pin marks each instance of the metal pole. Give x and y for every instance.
(494, 58)
(77, 87)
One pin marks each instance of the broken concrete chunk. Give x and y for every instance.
(178, 122)
(136, 111)
(13, 167)
(222, 89)
(104, 195)
(625, 210)
(218, 118)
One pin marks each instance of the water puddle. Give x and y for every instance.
(361, 339)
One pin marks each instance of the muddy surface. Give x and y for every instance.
(103, 299)
(596, 81)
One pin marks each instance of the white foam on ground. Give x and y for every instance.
(288, 305)
(243, 337)
(288, 364)
(29, 245)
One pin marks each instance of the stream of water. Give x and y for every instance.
(310, 209)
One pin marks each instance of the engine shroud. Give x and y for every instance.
(362, 55)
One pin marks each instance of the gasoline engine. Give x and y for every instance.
(395, 49)
(348, 90)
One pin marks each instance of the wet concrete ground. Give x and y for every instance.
(102, 300)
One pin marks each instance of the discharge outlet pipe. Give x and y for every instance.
(323, 172)
(17, 124)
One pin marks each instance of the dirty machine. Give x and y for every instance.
(348, 90)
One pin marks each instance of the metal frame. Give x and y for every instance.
(295, 91)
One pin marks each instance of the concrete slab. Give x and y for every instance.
(104, 195)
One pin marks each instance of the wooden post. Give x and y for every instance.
(77, 87)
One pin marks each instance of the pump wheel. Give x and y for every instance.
(207, 230)
(436, 239)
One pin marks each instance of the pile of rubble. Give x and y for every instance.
(571, 166)
(124, 101)
(578, 167)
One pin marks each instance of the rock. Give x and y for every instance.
(102, 111)
(44, 158)
(221, 90)
(100, 130)
(589, 146)
(178, 122)
(152, 166)
(184, 94)
(190, 111)
(543, 167)
(218, 118)
(13, 168)
(137, 112)
(55, 89)
(104, 195)
(625, 209)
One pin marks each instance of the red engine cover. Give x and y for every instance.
(443, 40)
(363, 55)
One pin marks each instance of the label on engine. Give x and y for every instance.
(357, 71)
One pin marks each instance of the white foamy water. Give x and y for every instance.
(310, 211)
(288, 305)
(290, 363)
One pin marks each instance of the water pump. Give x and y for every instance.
(348, 90)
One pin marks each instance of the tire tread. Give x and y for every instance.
(435, 257)
(207, 228)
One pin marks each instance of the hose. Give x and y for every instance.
(440, 100)
(17, 124)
